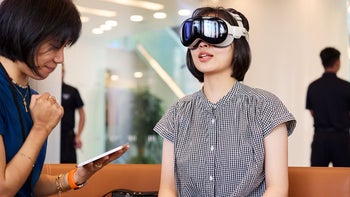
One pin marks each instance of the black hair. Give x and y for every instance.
(26, 24)
(242, 54)
(329, 56)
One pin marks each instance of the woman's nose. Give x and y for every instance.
(59, 58)
(203, 44)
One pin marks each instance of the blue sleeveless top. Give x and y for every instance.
(11, 131)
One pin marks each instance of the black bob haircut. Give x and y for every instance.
(26, 24)
(242, 54)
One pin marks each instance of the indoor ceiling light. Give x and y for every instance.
(98, 12)
(136, 18)
(159, 15)
(138, 74)
(97, 31)
(114, 77)
(138, 3)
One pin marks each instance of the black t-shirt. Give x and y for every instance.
(71, 101)
(329, 99)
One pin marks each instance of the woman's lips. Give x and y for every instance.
(48, 68)
(204, 56)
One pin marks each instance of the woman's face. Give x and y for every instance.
(213, 60)
(47, 57)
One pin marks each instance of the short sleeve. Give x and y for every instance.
(166, 125)
(273, 113)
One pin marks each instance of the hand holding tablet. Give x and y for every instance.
(113, 154)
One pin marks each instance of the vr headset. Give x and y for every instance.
(212, 30)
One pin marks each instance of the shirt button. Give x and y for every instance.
(211, 178)
(212, 148)
(212, 121)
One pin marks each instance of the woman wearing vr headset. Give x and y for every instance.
(33, 36)
(227, 139)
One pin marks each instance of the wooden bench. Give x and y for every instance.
(303, 181)
(319, 182)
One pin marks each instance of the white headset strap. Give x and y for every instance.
(238, 19)
(244, 31)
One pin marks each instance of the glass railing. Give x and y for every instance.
(161, 52)
(163, 48)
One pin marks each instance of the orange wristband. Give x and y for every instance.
(71, 182)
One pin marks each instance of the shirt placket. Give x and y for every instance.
(211, 148)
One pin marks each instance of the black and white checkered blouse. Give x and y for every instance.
(219, 148)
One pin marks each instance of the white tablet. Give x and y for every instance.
(101, 155)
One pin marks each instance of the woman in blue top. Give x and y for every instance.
(227, 139)
(33, 35)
